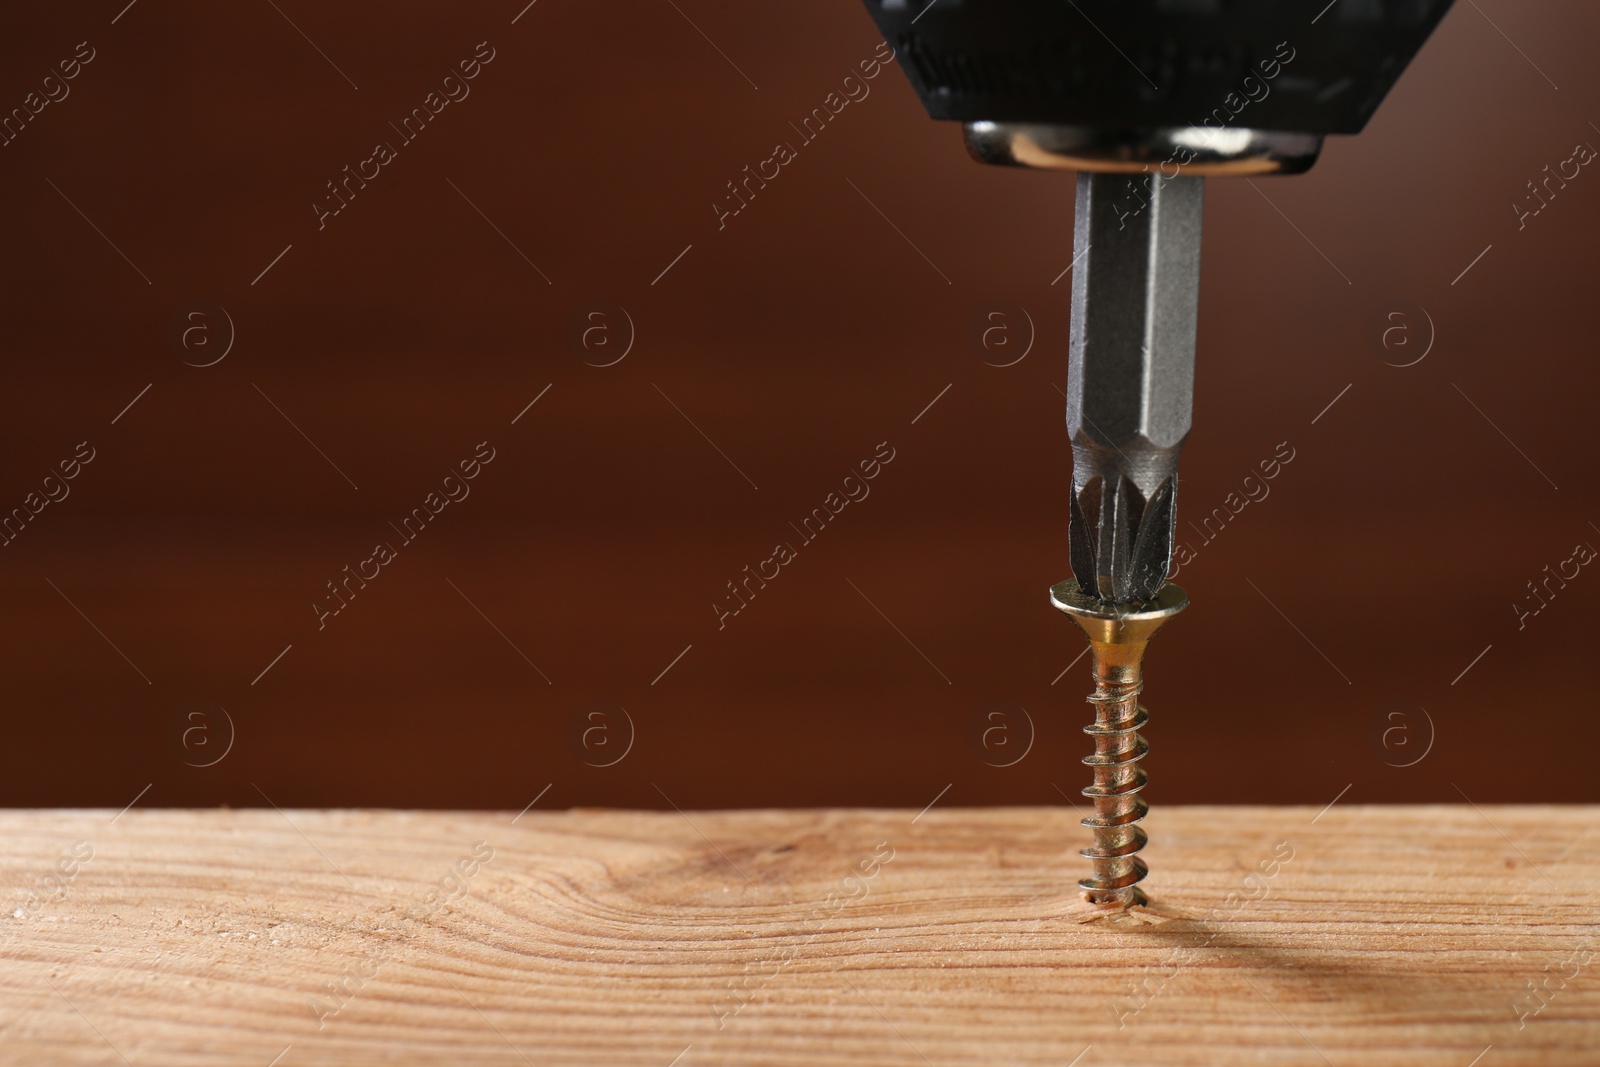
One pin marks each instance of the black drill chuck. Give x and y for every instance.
(1139, 64)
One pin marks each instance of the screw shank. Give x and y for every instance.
(1118, 640)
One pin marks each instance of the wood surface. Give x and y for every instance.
(1357, 935)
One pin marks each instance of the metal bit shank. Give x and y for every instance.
(1118, 639)
(1135, 293)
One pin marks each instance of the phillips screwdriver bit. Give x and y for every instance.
(1130, 378)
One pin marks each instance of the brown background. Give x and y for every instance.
(796, 339)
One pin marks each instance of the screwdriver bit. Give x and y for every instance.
(1130, 378)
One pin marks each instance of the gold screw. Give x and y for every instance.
(1117, 636)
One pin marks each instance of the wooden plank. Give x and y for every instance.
(1394, 935)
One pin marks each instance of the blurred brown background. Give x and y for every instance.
(177, 578)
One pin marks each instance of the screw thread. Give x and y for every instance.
(1118, 779)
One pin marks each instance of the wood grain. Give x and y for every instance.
(1277, 935)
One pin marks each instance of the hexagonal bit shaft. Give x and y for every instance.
(1130, 381)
